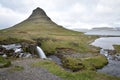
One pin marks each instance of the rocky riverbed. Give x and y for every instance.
(107, 49)
(15, 50)
(112, 68)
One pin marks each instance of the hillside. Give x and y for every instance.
(40, 26)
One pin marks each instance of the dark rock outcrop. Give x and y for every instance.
(38, 13)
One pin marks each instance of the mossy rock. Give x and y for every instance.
(117, 48)
(73, 64)
(90, 63)
(96, 62)
(4, 62)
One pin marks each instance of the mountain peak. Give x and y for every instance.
(39, 13)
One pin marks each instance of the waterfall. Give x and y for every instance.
(41, 53)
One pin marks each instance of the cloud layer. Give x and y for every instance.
(69, 13)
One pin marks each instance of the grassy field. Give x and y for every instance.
(48, 34)
(81, 75)
(4, 62)
(117, 48)
(89, 63)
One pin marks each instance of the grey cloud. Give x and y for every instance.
(72, 13)
(17, 5)
(9, 17)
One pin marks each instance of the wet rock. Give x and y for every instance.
(1, 53)
(4, 56)
(111, 52)
(117, 57)
(55, 59)
(11, 46)
(18, 50)
(23, 50)
(16, 55)
(31, 48)
(28, 55)
(21, 55)
(1, 48)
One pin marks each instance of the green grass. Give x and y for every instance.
(117, 48)
(95, 62)
(81, 75)
(30, 30)
(16, 68)
(79, 64)
(78, 41)
(4, 62)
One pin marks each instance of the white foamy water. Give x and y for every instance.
(106, 42)
(12, 46)
(41, 53)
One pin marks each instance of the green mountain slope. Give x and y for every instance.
(39, 25)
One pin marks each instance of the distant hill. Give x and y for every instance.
(104, 28)
(104, 31)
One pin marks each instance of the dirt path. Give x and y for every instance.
(28, 73)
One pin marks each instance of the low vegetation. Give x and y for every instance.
(80, 75)
(4, 62)
(17, 68)
(117, 48)
(79, 64)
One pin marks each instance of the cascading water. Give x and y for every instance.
(40, 52)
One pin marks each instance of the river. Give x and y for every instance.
(106, 45)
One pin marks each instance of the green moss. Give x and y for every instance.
(48, 46)
(95, 62)
(117, 48)
(82, 75)
(73, 63)
(17, 68)
(90, 63)
(12, 40)
(4, 62)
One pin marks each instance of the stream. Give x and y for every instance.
(55, 59)
(106, 45)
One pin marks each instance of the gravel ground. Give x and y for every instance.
(28, 73)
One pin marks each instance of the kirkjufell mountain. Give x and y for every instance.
(37, 18)
(38, 26)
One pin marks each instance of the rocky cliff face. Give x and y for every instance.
(38, 13)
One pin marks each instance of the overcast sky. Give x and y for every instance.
(69, 13)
